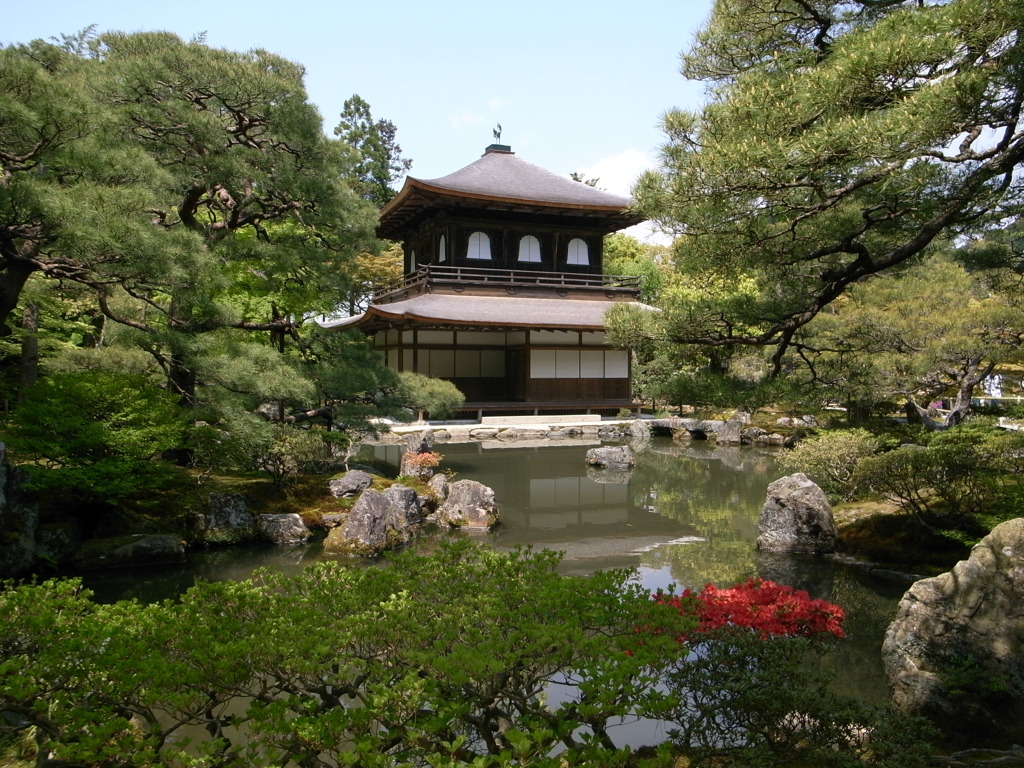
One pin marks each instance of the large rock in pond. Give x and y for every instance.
(611, 457)
(468, 505)
(283, 530)
(379, 521)
(352, 483)
(19, 521)
(639, 435)
(226, 520)
(136, 549)
(730, 433)
(796, 517)
(955, 651)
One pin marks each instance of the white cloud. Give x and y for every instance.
(618, 173)
(466, 118)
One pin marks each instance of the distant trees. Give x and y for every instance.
(935, 330)
(379, 160)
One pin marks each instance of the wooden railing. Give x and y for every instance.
(508, 277)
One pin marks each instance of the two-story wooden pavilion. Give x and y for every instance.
(503, 292)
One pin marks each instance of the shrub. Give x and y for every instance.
(437, 397)
(830, 459)
(763, 606)
(742, 699)
(98, 435)
(941, 481)
(441, 660)
(743, 695)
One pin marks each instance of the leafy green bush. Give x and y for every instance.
(425, 394)
(830, 459)
(964, 472)
(742, 699)
(929, 482)
(98, 435)
(435, 660)
(248, 442)
(445, 660)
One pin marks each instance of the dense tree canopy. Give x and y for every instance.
(191, 197)
(839, 140)
(894, 338)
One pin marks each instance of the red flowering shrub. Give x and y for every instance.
(764, 606)
(425, 460)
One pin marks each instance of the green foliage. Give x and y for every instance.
(830, 459)
(711, 390)
(440, 660)
(252, 443)
(380, 158)
(437, 397)
(894, 338)
(822, 121)
(753, 701)
(96, 435)
(627, 256)
(962, 474)
(190, 198)
(446, 659)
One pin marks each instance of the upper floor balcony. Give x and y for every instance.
(482, 281)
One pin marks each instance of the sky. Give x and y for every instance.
(577, 85)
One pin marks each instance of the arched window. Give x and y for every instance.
(529, 248)
(578, 253)
(442, 250)
(479, 246)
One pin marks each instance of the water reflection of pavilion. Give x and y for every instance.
(535, 486)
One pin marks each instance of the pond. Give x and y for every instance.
(687, 515)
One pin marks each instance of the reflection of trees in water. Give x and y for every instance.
(856, 663)
(718, 493)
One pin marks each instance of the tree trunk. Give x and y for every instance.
(182, 381)
(974, 374)
(29, 373)
(857, 414)
(12, 281)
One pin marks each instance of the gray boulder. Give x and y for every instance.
(226, 520)
(420, 443)
(439, 485)
(796, 517)
(730, 433)
(19, 522)
(743, 417)
(639, 435)
(754, 436)
(379, 521)
(136, 549)
(283, 530)
(352, 483)
(468, 505)
(611, 457)
(57, 540)
(955, 651)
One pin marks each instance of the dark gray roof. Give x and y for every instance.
(489, 311)
(501, 181)
(500, 173)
